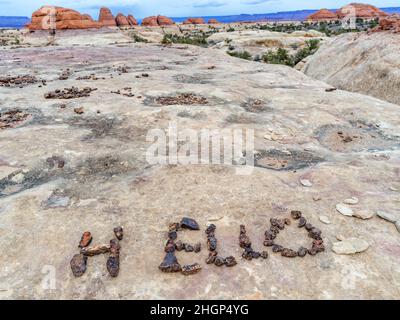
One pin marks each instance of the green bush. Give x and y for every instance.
(197, 40)
(242, 55)
(281, 56)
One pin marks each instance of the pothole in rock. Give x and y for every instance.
(193, 79)
(255, 106)
(13, 118)
(69, 93)
(100, 126)
(17, 81)
(285, 160)
(360, 137)
(179, 99)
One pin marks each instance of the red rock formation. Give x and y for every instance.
(121, 20)
(323, 15)
(213, 21)
(106, 18)
(391, 23)
(363, 11)
(154, 21)
(150, 21)
(132, 21)
(194, 21)
(164, 21)
(64, 19)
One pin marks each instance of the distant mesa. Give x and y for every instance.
(106, 18)
(194, 21)
(213, 21)
(323, 15)
(361, 10)
(155, 21)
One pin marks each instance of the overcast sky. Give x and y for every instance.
(177, 8)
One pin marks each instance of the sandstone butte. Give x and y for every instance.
(155, 21)
(132, 21)
(323, 15)
(213, 21)
(64, 19)
(361, 10)
(106, 18)
(194, 21)
(121, 20)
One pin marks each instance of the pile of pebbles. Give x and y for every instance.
(278, 225)
(69, 93)
(79, 261)
(12, 118)
(170, 262)
(18, 81)
(182, 99)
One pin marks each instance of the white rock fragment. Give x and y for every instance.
(351, 201)
(324, 219)
(306, 183)
(387, 216)
(18, 178)
(350, 246)
(363, 214)
(344, 210)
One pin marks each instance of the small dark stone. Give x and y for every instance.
(274, 222)
(113, 265)
(174, 226)
(244, 241)
(211, 229)
(170, 263)
(172, 235)
(188, 223)
(211, 257)
(296, 215)
(86, 239)
(315, 233)
(78, 265)
(312, 251)
(274, 230)
(170, 246)
(288, 253)
(255, 254)
(197, 247)
(119, 233)
(230, 261)
(277, 248)
(302, 222)
(269, 235)
(191, 269)
(219, 261)
(242, 229)
(179, 245)
(188, 248)
(268, 243)
(212, 243)
(302, 252)
(309, 226)
(287, 221)
(248, 253)
(264, 255)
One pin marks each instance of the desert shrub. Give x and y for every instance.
(138, 38)
(281, 56)
(240, 54)
(197, 40)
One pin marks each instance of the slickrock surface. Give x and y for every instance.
(365, 63)
(63, 173)
(261, 41)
